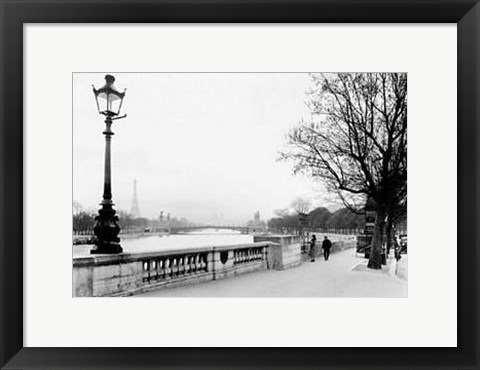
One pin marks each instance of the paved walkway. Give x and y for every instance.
(402, 267)
(333, 278)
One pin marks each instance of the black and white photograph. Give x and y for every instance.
(289, 185)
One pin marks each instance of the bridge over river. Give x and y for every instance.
(241, 228)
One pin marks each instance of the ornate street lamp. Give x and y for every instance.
(109, 102)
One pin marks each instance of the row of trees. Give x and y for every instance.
(84, 221)
(319, 218)
(355, 143)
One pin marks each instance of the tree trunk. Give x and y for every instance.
(375, 261)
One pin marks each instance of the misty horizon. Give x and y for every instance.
(202, 146)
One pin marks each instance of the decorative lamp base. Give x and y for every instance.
(106, 231)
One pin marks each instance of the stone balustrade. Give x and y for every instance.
(158, 268)
(126, 274)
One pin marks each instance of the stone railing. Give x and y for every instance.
(127, 274)
(158, 268)
(286, 254)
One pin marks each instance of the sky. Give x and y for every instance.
(203, 146)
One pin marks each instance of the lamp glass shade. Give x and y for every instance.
(109, 99)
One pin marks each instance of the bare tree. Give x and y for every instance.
(356, 142)
(283, 212)
(300, 205)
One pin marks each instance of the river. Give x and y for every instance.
(194, 239)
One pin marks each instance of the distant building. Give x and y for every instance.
(257, 225)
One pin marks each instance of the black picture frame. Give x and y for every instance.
(14, 14)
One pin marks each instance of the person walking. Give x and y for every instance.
(313, 248)
(326, 245)
(397, 250)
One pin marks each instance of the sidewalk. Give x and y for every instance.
(333, 278)
(402, 267)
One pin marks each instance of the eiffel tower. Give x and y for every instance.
(135, 210)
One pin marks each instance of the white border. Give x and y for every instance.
(426, 318)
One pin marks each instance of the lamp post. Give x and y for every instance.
(109, 102)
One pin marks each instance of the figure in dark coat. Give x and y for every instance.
(326, 245)
(397, 250)
(313, 248)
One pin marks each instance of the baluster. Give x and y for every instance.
(167, 266)
(173, 264)
(192, 264)
(187, 265)
(181, 267)
(153, 270)
(145, 270)
(184, 264)
(161, 268)
(196, 263)
(177, 264)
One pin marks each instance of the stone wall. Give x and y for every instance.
(285, 253)
(127, 274)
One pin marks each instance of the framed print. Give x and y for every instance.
(238, 174)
